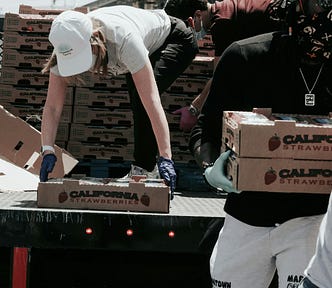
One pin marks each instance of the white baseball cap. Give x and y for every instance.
(70, 36)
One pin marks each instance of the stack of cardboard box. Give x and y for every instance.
(102, 125)
(23, 87)
(181, 94)
(279, 152)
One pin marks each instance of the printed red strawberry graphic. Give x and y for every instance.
(274, 142)
(145, 199)
(270, 176)
(62, 197)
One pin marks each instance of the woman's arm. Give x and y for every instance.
(148, 91)
(52, 109)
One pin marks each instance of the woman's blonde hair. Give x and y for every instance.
(98, 45)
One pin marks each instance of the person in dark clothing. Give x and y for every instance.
(267, 231)
(227, 21)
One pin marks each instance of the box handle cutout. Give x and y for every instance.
(18, 145)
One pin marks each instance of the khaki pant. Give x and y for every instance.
(248, 256)
(319, 270)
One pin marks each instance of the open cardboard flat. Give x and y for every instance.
(20, 144)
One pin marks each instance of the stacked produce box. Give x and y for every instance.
(283, 153)
(23, 87)
(181, 94)
(102, 125)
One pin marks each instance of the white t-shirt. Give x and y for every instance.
(132, 35)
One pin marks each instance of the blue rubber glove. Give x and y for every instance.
(215, 175)
(47, 166)
(167, 172)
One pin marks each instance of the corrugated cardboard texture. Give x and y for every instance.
(20, 144)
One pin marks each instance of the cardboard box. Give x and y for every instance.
(27, 41)
(173, 120)
(102, 116)
(173, 101)
(201, 65)
(62, 135)
(280, 175)
(20, 144)
(24, 59)
(26, 9)
(180, 155)
(206, 51)
(207, 41)
(255, 135)
(116, 152)
(94, 80)
(35, 111)
(24, 77)
(106, 98)
(179, 138)
(28, 22)
(188, 84)
(143, 196)
(29, 95)
(92, 133)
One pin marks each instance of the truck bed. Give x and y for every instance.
(193, 219)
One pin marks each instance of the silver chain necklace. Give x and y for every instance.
(309, 98)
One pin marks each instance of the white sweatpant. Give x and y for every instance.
(248, 256)
(319, 270)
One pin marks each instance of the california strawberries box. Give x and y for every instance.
(280, 175)
(28, 23)
(264, 134)
(143, 195)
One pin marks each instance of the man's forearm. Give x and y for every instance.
(199, 101)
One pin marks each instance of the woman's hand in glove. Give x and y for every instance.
(47, 166)
(167, 172)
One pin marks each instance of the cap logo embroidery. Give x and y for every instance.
(65, 50)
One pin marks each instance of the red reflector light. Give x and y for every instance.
(129, 232)
(88, 231)
(171, 234)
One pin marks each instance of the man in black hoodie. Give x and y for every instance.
(268, 231)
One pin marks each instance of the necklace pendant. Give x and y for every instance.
(309, 99)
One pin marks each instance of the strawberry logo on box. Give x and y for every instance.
(274, 142)
(270, 176)
(145, 199)
(62, 197)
